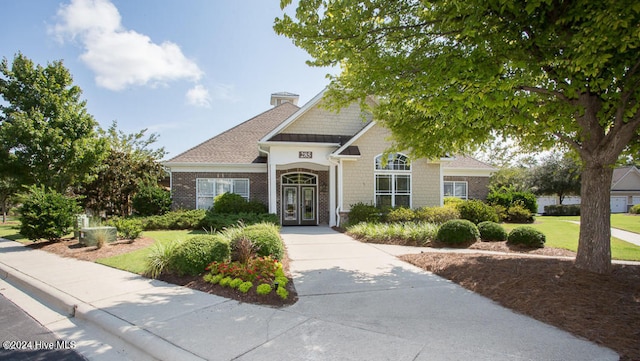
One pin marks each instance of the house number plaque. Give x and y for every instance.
(305, 154)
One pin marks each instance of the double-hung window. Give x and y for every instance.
(392, 181)
(455, 189)
(208, 188)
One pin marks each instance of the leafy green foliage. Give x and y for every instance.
(477, 211)
(557, 176)
(437, 215)
(130, 228)
(361, 212)
(400, 214)
(218, 221)
(160, 257)
(232, 203)
(264, 289)
(453, 75)
(181, 219)
(47, 137)
(408, 233)
(508, 197)
(193, 255)
(492, 232)
(245, 287)
(562, 210)
(282, 292)
(527, 236)
(47, 214)
(265, 238)
(151, 200)
(519, 214)
(458, 232)
(635, 209)
(130, 167)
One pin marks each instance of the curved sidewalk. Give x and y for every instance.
(356, 302)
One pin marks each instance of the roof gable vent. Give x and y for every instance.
(284, 97)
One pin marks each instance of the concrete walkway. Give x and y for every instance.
(356, 302)
(633, 238)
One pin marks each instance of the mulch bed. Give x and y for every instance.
(602, 308)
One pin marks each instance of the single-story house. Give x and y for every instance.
(309, 165)
(625, 191)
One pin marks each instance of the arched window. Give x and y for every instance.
(392, 181)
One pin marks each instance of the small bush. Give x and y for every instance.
(214, 279)
(236, 283)
(408, 234)
(282, 292)
(400, 214)
(219, 221)
(150, 200)
(458, 231)
(160, 258)
(437, 215)
(477, 211)
(508, 196)
(128, 228)
(562, 210)
(182, 219)
(452, 201)
(518, 214)
(264, 236)
(492, 232)
(194, 254)
(501, 212)
(232, 203)
(527, 236)
(225, 281)
(361, 212)
(245, 287)
(263, 289)
(635, 209)
(47, 214)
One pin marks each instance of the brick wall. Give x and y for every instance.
(184, 186)
(477, 187)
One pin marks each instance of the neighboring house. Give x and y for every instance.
(309, 165)
(625, 191)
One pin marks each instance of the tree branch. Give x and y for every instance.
(546, 92)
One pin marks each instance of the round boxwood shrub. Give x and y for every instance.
(265, 238)
(194, 254)
(492, 232)
(477, 211)
(458, 231)
(527, 236)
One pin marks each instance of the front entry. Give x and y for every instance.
(299, 199)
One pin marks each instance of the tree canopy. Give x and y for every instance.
(557, 175)
(451, 75)
(46, 135)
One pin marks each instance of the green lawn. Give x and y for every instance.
(563, 234)
(10, 231)
(627, 222)
(136, 261)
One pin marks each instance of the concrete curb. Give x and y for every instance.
(69, 306)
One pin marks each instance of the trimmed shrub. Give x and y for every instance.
(527, 236)
(492, 232)
(265, 238)
(220, 221)
(562, 210)
(263, 289)
(400, 214)
(635, 209)
(507, 197)
(181, 219)
(457, 232)
(47, 214)
(245, 287)
(193, 255)
(477, 211)
(437, 215)
(232, 203)
(282, 292)
(128, 228)
(151, 200)
(518, 214)
(361, 212)
(452, 201)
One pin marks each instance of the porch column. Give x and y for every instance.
(273, 205)
(332, 195)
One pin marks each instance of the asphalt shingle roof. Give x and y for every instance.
(238, 145)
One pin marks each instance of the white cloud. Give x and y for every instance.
(121, 57)
(199, 96)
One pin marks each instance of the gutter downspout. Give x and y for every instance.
(338, 165)
(270, 196)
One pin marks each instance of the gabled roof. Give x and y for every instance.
(621, 173)
(238, 145)
(464, 162)
(293, 116)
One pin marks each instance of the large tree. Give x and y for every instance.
(450, 74)
(558, 175)
(131, 163)
(46, 135)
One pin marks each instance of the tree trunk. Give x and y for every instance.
(594, 247)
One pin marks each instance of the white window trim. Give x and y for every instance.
(393, 173)
(466, 187)
(231, 180)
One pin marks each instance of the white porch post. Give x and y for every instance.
(273, 205)
(332, 195)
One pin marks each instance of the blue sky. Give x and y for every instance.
(186, 70)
